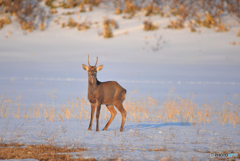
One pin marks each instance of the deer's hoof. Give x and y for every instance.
(104, 129)
(121, 130)
(89, 129)
(97, 130)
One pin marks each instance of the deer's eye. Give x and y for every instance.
(92, 71)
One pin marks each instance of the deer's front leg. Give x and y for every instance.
(92, 115)
(97, 116)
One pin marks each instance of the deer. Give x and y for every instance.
(108, 93)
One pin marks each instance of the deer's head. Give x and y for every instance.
(92, 70)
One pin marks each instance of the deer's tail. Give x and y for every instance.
(124, 94)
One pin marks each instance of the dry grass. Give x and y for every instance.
(139, 110)
(5, 20)
(229, 114)
(40, 152)
(108, 24)
(80, 26)
(118, 11)
(196, 13)
(159, 149)
(148, 25)
(147, 109)
(27, 13)
(178, 24)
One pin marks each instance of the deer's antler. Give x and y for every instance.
(88, 60)
(96, 62)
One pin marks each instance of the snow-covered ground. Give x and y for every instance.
(203, 65)
(139, 141)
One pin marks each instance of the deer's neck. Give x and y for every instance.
(92, 85)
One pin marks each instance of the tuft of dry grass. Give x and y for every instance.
(118, 11)
(229, 114)
(140, 110)
(222, 28)
(148, 25)
(158, 149)
(71, 23)
(5, 20)
(185, 111)
(40, 152)
(178, 24)
(80, 26)
(152, 9)
(50, 4)
(130, 9)
(107, 32)
(209, 21)
(192, 26)
(82, 8)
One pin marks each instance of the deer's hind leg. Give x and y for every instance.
(119, 106)
(113, 114)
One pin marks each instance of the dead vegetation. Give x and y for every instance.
(40, 152)
(27, 13)
(189, 13)
(152, 9)
(159, 149)
(178, 24)
(172, 110)
(146, 109)
(118, 11)
(4, 21)
(195, 13)
(108, 24)
(80, 26)
(73, 4)
(149, 26)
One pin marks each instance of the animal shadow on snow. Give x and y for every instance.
(155, 125)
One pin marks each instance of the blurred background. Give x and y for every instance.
(157, 48)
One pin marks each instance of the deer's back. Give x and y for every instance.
(110, 91)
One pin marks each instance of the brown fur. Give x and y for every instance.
(108, 93)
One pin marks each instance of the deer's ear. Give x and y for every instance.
(85, 67)
(99, 67)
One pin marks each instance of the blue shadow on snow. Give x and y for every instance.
(156, 125)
